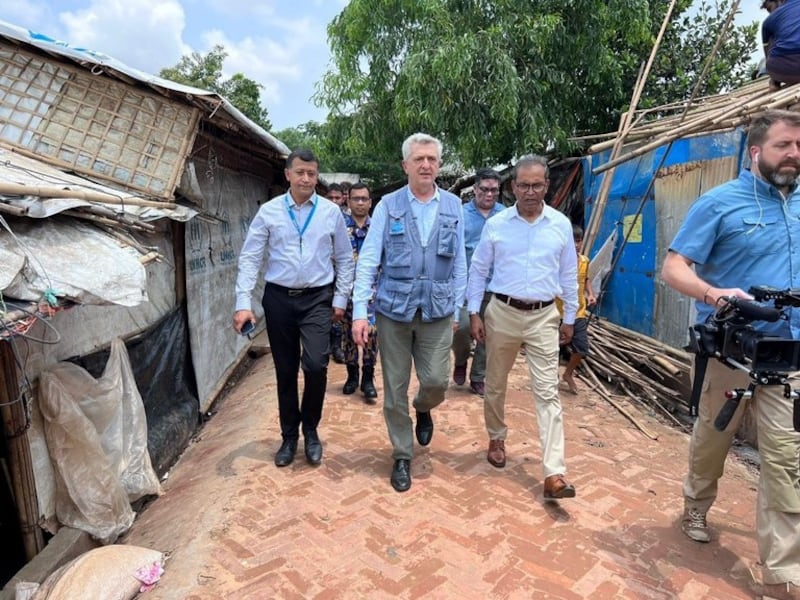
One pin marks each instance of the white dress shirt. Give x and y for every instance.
(294, 260)
(532, 262)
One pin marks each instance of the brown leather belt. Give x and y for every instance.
(520, 305)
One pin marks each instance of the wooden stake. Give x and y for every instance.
(15, 425)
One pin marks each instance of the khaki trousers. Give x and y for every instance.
(428, 344)
(778, 509)
(507, 329)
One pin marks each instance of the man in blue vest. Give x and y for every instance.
(415, 249)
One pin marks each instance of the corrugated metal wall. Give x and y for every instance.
(676, 189)
(634, 295)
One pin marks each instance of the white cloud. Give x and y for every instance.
(145, 34)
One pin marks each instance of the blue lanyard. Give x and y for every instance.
(300, 231)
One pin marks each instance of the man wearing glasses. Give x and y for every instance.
(487, 192)
(529, 253)
(358, 223)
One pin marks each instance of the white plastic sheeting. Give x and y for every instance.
(74, 260)
(96, 433)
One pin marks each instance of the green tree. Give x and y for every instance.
(339, 151)
(496, 78)
(204, 71)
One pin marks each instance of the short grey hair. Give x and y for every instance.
(421, 138)
(530, 160)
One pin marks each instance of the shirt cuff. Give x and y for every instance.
(340, 302)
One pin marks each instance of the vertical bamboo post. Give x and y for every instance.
(624, 128)
(14, 429)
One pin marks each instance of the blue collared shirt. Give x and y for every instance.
(742, 234)
(274, 240)
(473, 226)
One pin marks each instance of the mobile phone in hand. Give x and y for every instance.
(248, 328)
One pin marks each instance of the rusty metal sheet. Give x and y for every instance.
(676, 188)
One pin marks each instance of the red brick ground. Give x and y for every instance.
(236, 527)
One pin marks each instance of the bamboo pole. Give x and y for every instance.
(10, 209)
(19, 189)
(625, 125)
(14, 428)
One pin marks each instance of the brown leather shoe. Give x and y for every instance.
(556, 486)
(497, 453)
(781, 591)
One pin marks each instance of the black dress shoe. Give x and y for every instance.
(424, 428)
(401, 475)
(313, 447)
(285, 454)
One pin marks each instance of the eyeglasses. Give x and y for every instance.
(363, 200)
(528, 187)
(489, 190)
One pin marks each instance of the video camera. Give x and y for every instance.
(729, 336)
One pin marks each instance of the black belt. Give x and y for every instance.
(520, 305)
(298, 291)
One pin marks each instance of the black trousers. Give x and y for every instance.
(299, 322)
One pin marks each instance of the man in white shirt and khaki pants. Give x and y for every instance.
(529, 250)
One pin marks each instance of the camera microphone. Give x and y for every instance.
(754, 312)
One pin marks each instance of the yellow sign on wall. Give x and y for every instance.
(633, 224)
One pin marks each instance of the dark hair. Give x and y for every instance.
(303, 154)
(334, 187)
(577, 232)
(346, 185)
(528, 161)
(359, 185)
(483, 174)
(757, 132)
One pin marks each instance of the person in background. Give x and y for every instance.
(484, 205)
(740, 234)
(780, 34)
(529, 252)
(415, 250)
(358, 223)
(301, 241)
(336, 196)
(579, 346)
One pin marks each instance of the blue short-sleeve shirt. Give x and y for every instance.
(742, 234)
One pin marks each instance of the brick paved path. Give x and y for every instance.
(237, 527)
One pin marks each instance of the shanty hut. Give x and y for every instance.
(124, 200)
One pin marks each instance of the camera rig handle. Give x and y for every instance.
(729, 408)
(735, 396)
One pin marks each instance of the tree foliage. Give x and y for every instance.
(496, 78)
(205, 72)
(339, 151)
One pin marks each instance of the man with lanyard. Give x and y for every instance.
(302, 242)
(744, 233)
(358, 223)
(487, 191)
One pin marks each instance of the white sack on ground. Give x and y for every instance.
(105, 573)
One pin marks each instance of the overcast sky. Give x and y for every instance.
(282, 44)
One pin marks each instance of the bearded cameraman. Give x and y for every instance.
(743, 233)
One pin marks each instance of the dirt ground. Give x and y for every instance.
(236, 527)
